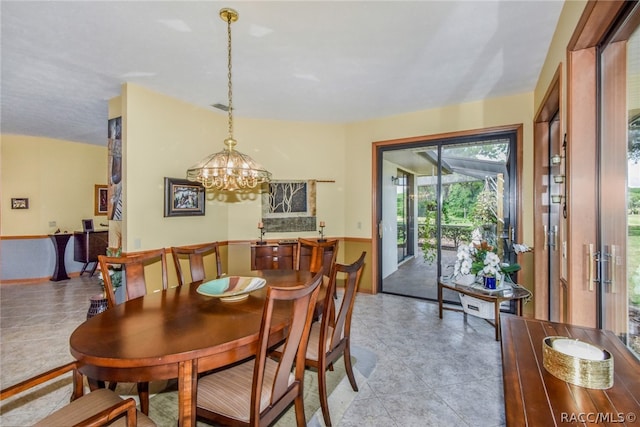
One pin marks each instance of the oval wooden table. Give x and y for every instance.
(177, 333)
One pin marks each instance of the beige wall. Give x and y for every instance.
(164, 136)
(293, 151)
(569, 17)
(57, 176)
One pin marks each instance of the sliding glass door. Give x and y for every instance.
(444, 194)
(619, 176)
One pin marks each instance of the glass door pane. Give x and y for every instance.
(619, 286)
(475, 197)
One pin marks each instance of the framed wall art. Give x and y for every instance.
(289, 206)
(100, 200)
(19, 203)
(183, 197)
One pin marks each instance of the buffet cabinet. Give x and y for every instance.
(273, 256)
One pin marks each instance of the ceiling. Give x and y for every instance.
(321, 61)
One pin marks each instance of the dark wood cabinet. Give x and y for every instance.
(87, 246)
(279, 256)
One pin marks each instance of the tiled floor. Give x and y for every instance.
(414, 369)
(417, 277)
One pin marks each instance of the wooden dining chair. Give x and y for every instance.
(256, 392)
(133, 272)
(100, 407)
(331, 337)
(314, 256)
(133, 269)
(196, 255)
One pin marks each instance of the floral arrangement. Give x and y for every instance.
(114, 272)
(481, 258)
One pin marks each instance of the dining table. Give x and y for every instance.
(179, 333)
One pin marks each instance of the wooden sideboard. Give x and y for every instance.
(273, 256)
(282, 256)
(87, 245)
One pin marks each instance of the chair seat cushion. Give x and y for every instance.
(87, 406)
(228, 392)
(314, 338)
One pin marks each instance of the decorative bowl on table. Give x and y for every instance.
(231, 288)
(578, 362)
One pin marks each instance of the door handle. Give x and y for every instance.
(591, 266)
(380, 229)
(554, 237)
(612, 269)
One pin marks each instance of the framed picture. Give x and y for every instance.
(100, 200)
(289, 206)
(20, 203)
(183, 197)
(87, 225)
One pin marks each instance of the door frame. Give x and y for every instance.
(376, 178)
(582, 148)
(551, 103)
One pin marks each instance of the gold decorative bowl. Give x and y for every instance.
(578, 362)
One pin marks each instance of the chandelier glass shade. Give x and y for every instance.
(229, 169)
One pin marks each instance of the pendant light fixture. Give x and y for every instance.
(229, 169)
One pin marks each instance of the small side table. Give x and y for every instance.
(60, 244)
(517, 294)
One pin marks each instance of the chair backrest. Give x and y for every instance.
(196, 255)
(302, 302)
(133, 273)
(336, 325)
(315, 256)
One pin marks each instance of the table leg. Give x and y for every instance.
(440, 299)
(496, 305)
(143, 394)
(187, 383)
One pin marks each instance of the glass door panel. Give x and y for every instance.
(619, 172)
(556, 203)
(475, 197)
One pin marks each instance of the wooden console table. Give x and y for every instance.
(87, 246)
(533, 397)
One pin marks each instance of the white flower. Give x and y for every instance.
(520, 248)
(492, 264)
(464, 259)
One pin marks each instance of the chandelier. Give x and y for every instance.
(229, 169)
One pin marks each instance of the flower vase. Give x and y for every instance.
(489, 282)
